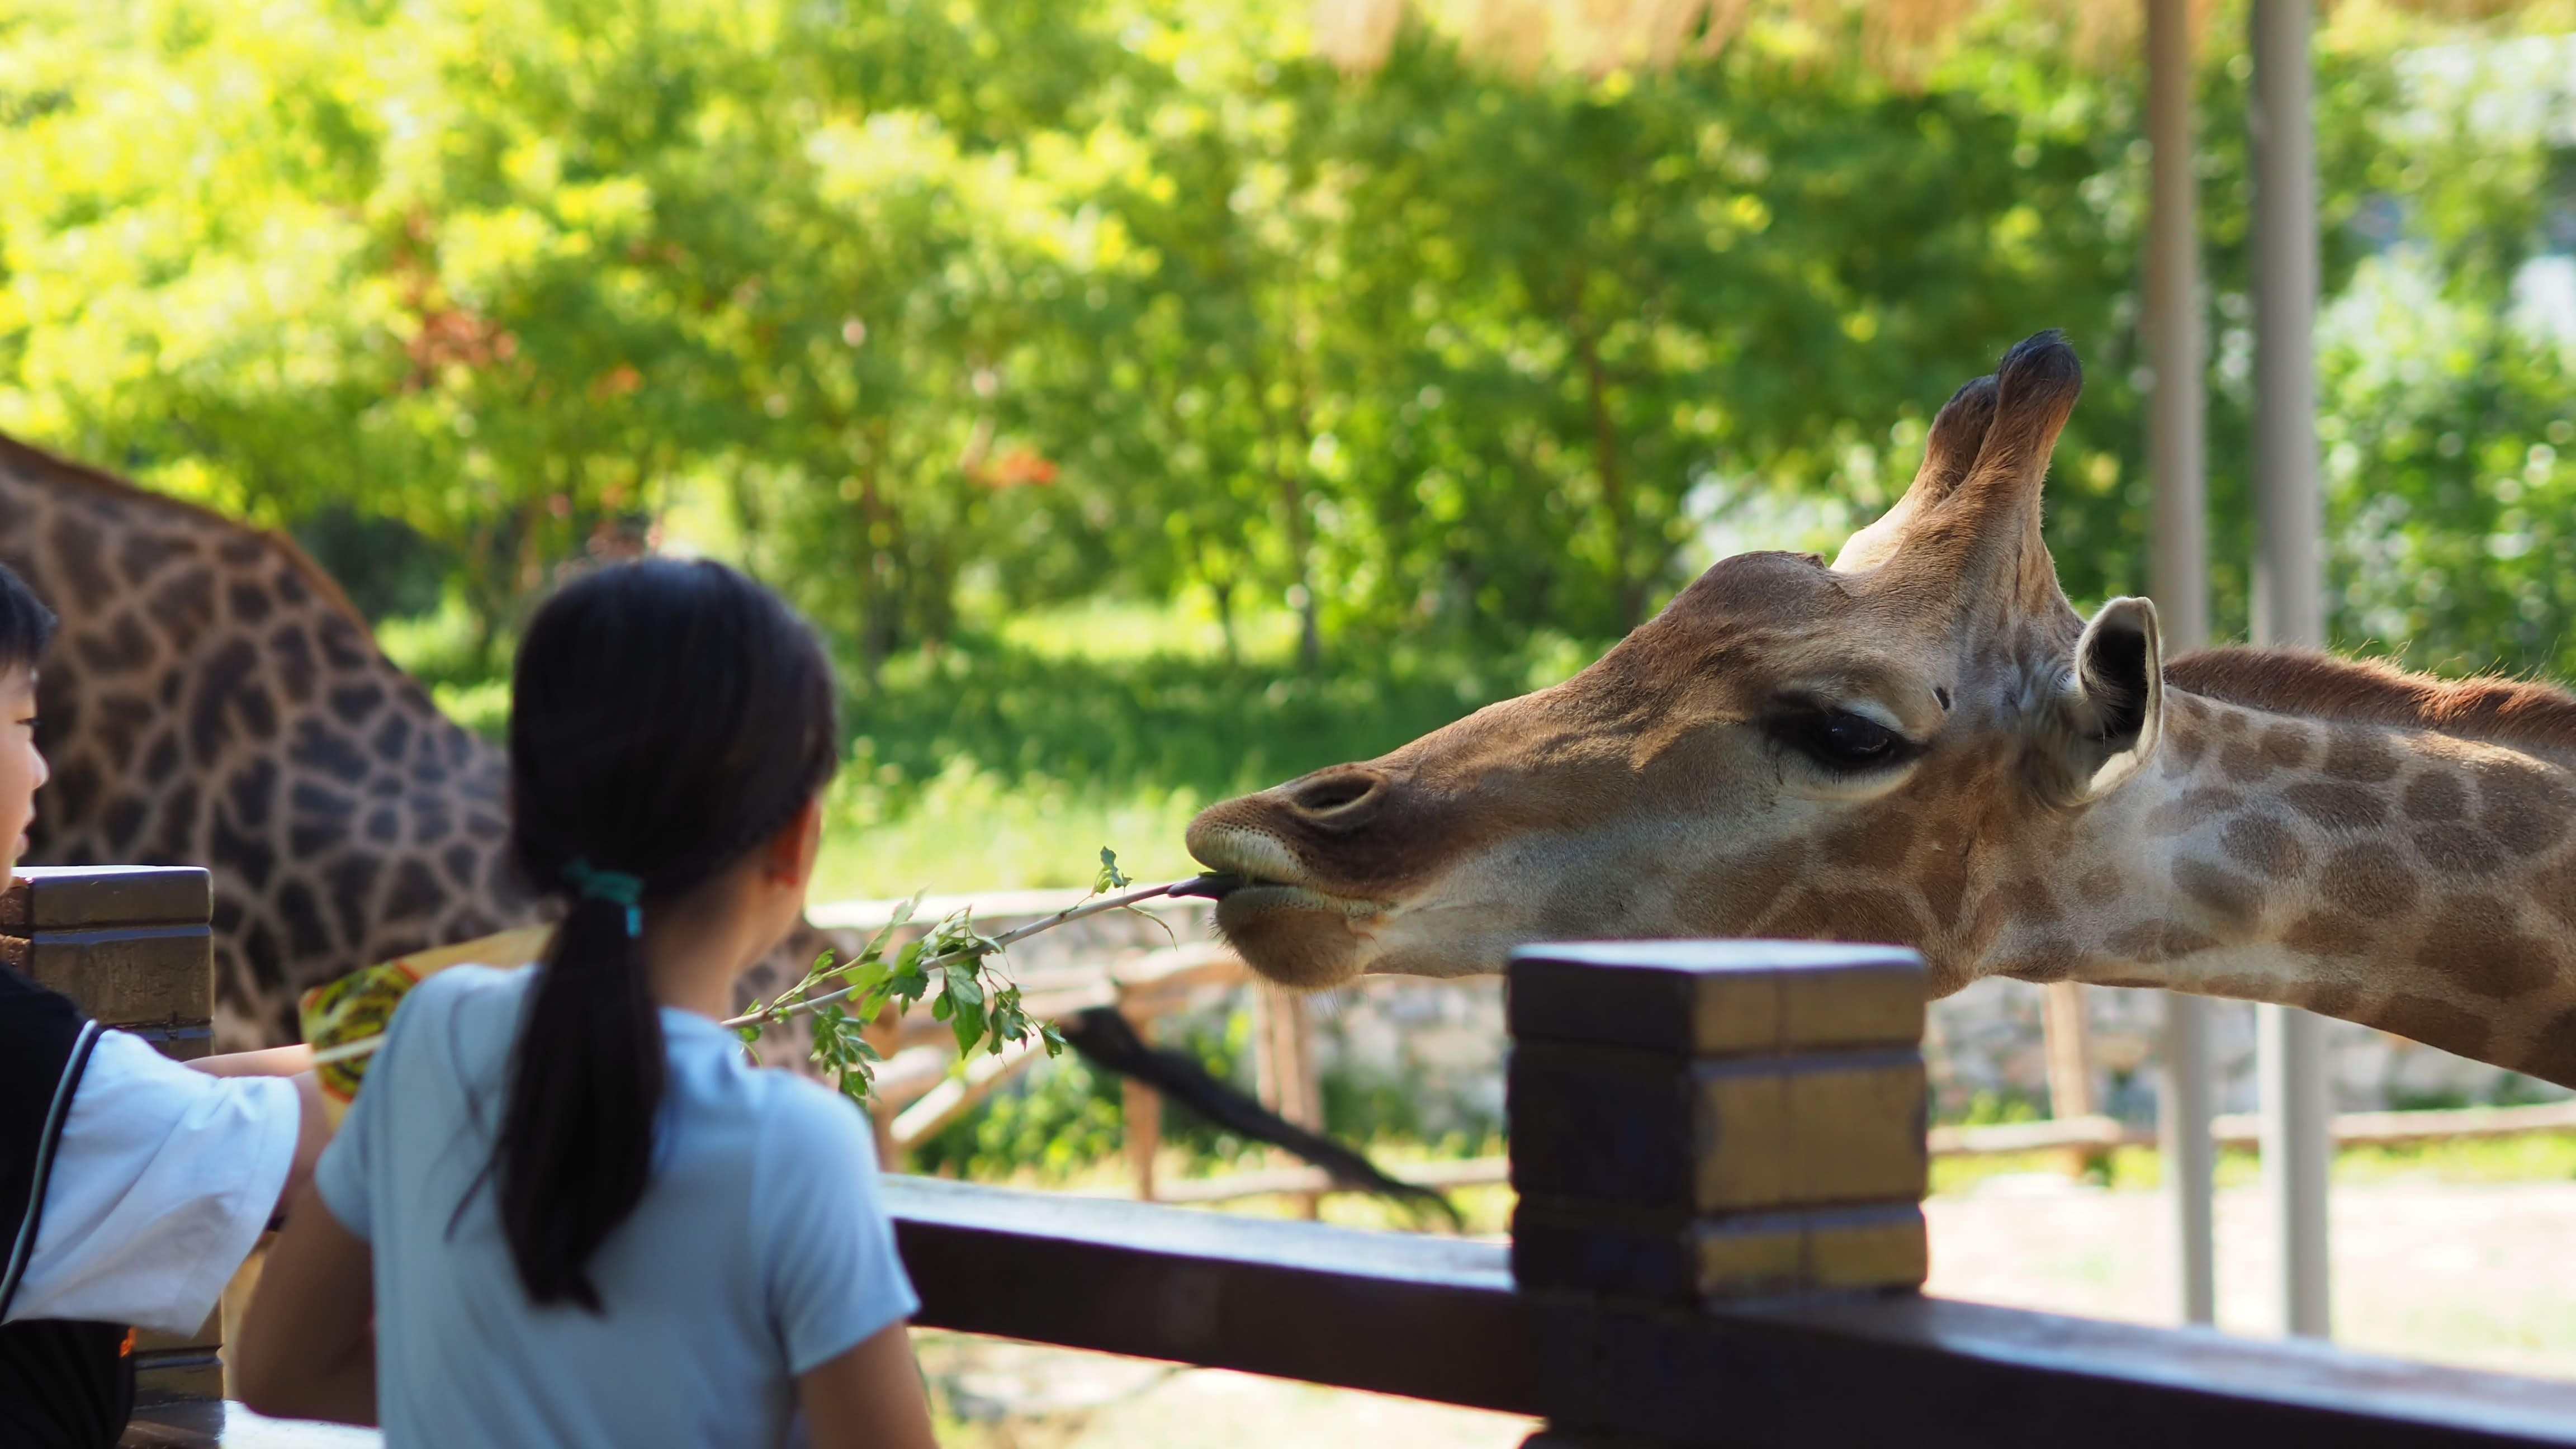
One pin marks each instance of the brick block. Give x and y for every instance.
(1736, 1135)
(1571, 1247)
(124, 974)
(43, 897)
(1717, 998)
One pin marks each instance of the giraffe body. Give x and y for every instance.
(1923, 743)
(212, 698)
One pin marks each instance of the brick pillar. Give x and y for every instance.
(1693, 1121)
(130, 945)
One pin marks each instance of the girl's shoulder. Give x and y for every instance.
(806, 1117)
(467, 988)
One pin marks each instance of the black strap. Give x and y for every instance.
(65, 1385)
(61, 1384)
(44, 1046)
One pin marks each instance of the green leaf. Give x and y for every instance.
(1110, 877)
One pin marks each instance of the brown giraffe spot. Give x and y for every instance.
(1877, 841)
(2288, 745)
(184, 608)
(352, 882)
(162, 760)
(261, 953)
(2232, 723)
(328, 751)
(2522, 804)
(2337, 806)
(2100, 885)
(2030, 902)
(306, 936)
(2477, 944)
(78, 548)
(2436, 797)
(392, 739)
(2245, 760)
(2554, 889)
(124, 821)
(1865, 914)
(2191, 809)
(2326, 934)
(2458, 849)
(2553, 1052)
(1743, 887)
(2370, 880)
(2334, 998)
(2264, 846)
(1943, 879)
(2156, 941)
(2435, 1022)
(247, 857)
(222, 678)
(251, 604)
(122, 648)
(142, 554)
(415, 892)
(354, 703)
(251, 791)
(460, 861)
(2226, 894)
(2185, 742)
(178, 834)
(292, 651)
(2360, 754)
(2054, 959)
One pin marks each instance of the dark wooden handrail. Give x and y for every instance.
(1437, 1318)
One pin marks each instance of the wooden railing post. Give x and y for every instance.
(1703, 1120)
(130, 945)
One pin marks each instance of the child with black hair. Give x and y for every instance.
(565, 1210)
(131, 1186)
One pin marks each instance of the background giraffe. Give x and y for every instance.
(213, 698)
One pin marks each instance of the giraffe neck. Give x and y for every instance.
(2406, 879)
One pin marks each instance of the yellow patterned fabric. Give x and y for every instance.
(340, 1019)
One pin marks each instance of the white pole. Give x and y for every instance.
(2179, 580)
(2289, 596)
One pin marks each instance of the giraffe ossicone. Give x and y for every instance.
(1924, 743)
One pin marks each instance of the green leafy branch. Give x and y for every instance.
(954, 958)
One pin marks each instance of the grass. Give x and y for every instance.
(1010, 758)
(2533, 1157)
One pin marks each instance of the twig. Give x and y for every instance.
(1195, 885)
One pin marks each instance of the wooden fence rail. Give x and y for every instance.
(1705, 1140)
(1719, 1152)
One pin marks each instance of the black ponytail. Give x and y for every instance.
(666, 718)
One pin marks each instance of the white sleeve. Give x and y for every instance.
(161, 1184)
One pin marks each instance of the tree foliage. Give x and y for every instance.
(926, 311)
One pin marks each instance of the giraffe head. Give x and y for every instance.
(1789, 749)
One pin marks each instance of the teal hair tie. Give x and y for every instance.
(613, 886)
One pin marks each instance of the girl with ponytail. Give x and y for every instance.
(565, 1211)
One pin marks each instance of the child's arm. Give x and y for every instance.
(313, 1131)
(308, 1345)
(869, 1397)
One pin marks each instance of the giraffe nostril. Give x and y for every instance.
(1333, 794)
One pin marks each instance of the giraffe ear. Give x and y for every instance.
(2102, 727)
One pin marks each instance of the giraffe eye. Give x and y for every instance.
(1839, 739)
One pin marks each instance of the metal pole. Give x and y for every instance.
(2289, 596)
(2179, 580)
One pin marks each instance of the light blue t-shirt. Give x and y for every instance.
(759, 1251)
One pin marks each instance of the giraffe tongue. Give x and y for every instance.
(1215, 885)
